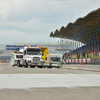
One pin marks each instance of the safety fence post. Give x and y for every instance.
(99, 28)
(85, 38)
(94, 38)
(88, 39)
(97, 36)
(91, 38)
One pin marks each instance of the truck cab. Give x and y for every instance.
(32, 57)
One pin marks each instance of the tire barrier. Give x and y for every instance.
(84, 60)
(69, 60)
(80, 60)
(76, 60)
(66, 60)
(73, 61)
(63, 61)
(88, 60)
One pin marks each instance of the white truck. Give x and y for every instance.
(31, 56)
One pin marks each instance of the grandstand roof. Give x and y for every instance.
(83, 29)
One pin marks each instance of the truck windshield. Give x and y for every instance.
(29, 52)
(55, 59)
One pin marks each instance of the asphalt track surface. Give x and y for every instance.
(48, 84)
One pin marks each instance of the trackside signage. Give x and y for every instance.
(13, 47)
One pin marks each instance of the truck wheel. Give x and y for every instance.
(18, 64)
(57, 67)
(45, 66)
(50, 66)
(32, 66)
(41, 66)
(25, 65)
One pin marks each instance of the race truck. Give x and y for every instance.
(31, 56)
(53, 60)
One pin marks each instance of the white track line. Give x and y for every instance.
(22, 81)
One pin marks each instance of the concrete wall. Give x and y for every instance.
(2, 47)
(82, 67)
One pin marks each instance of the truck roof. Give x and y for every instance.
(32, 48)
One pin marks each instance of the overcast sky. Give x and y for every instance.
(33, 20)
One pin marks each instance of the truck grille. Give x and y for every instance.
(36, 60)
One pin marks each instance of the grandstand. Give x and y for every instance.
(85, 30)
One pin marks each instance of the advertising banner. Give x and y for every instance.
(13, 47)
